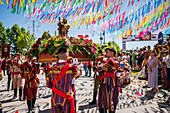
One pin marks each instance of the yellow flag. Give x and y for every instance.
(76, 23)
(1, 2)
(82, 20)
(91, 18)
(20, 4)
(73, 23)
(32, 2)
(156, 14)
(86, 20)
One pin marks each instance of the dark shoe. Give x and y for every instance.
(8, 87)
(0, 110)
(20, 94)
(103, 110)
(15, 93)
(33, 111)
(93, 102)
(115, 105)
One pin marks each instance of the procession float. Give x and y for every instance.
(46, 47)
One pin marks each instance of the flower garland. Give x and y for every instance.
(52, 44)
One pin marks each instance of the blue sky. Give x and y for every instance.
(9, 20)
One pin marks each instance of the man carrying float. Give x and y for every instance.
(29, 73)
(59, 79)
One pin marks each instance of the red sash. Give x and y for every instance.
(60, 93)
(15, 73)
(16, 64)
(111, 75)
(108, 74)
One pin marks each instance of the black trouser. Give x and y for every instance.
(9, 80)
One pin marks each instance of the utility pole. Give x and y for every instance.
(28, 21)
(101, 38)
(33, 21)
(104, 37)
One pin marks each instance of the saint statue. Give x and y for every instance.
(63, 27)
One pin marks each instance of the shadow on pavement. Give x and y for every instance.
(10, 100)
(150, 95)
(2, 91)
(87, 107)
(45, 111)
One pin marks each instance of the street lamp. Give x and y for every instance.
(104, 37)
(101, 38)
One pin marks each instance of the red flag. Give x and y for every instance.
(128, 3)
(132, 2)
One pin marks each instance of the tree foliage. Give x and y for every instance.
(109, 45)
(114, 45)
(3, 35)
(19, 38)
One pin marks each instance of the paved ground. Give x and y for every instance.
(148, 103)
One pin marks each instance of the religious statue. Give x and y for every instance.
(63, 27)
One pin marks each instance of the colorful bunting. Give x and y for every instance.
(152, 15)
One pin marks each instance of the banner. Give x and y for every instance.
(5, 50)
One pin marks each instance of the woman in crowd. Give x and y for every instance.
(153, 71)
(122, 59)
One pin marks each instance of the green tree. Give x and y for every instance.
(114, 45)
(3, 35)
(109, 45)
(20, 39)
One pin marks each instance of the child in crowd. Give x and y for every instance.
(126, 75)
